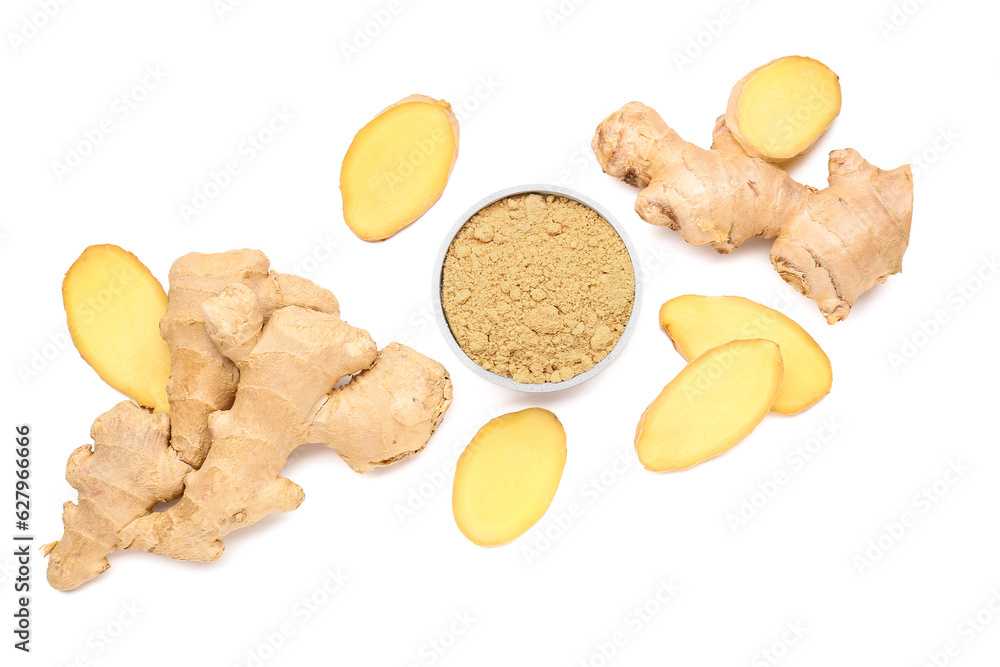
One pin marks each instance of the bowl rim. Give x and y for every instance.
(442, 320)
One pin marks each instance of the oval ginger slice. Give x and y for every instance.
(696, 324)
(780, 109)
(506, 478)
(398, 166)
(113, 308)
(715, 402)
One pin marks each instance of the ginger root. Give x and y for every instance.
(696, 324)
(398, 166)
(113, 307)
(506, 478)
(715, 402)
(832, 245)
(278, 352)
(203, 379)
(129, 469)
(780, 109)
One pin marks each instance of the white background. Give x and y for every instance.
(530, 84)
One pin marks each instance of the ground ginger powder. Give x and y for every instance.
(537, 288)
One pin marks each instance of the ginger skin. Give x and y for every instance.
(287, 396)
(108, 500)
(220, 310)
(203, 380)
(832, 245)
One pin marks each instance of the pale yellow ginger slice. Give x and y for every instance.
(696, 324)
(113, 308)
(398, 166)
(128, 470)
(779, 110)
(506, 478)
(715, 402)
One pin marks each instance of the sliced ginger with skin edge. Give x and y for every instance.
(506, 478)
(715, 402)
(779, 110)
(113, 308)
(696, 324)
(398, 165)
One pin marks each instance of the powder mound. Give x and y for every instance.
(537, 288)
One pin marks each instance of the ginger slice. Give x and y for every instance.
(715, 402)
(113, 308)
(780, 109)
(506, 478)
(398, 166)
(696, 324)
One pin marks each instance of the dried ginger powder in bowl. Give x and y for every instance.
(537, 288)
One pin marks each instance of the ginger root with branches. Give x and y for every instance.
(832, 245)
(257, 369)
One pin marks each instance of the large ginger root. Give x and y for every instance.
(715, 402)
(113, 307)
(832, 245)
(129, 469)
(696, 324)
(398, 166)
(203, 380)
(289, 368)
(386, 413)
(506, 478)
(779, 110)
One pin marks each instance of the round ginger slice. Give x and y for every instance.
(113, 308)
(779, 110)
(506, 478)
(696, 324)
(715, 402)
(398, 166)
